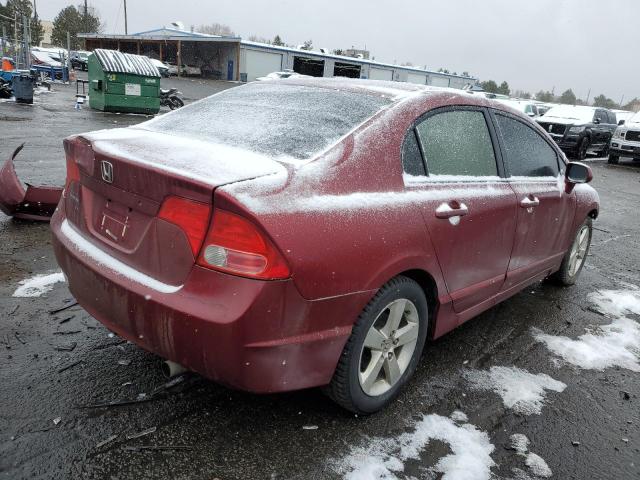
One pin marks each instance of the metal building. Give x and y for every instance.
(231, 58)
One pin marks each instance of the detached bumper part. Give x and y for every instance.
(33, 203)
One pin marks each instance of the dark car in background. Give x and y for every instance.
(79, 60)
(578, 129)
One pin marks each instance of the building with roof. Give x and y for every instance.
(231, 58)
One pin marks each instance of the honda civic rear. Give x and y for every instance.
(154, 250)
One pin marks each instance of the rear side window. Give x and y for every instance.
(457, 142)
(411, 157)
(527, 154)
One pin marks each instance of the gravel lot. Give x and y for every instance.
(61, 370)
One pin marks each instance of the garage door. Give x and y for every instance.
(439, 81)
(258, 63)
(417, 78)
(380, 74)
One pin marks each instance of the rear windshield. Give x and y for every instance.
(287, 122)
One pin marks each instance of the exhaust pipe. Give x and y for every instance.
(171, 369)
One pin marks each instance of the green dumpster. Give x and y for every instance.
(122, 82)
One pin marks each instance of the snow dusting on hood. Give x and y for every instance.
(605, 346)
(520, 390)
(207, 162)
(383, 458)
(566, 114)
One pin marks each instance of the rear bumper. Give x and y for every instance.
(251, 335)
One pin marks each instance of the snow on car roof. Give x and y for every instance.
(384, 88)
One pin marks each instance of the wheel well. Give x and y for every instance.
(430, 289)
(593, 214)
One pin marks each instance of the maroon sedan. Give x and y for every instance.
(300, 233)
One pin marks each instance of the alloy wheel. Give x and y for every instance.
(388, 347)
(579, 250)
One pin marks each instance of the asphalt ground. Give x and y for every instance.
(71, 394)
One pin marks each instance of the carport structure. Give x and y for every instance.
(216, 56)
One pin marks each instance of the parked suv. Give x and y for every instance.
(579, 129)
(626, 140)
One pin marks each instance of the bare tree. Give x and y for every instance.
(216, 29)
(258, 39)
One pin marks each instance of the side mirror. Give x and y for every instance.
(578, 173)
(621, 122)
(596, 121)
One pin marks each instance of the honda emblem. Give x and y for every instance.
(550, 127)
(107, 171)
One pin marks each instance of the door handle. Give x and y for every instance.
(451, 209)
(530, 201)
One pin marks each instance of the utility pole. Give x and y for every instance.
(588, 95)
(125, 18)
(621, 100)
(15, 36)
(86, 18)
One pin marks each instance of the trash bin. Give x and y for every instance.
(123, 82)
(22, 86)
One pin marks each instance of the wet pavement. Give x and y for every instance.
(72, 395)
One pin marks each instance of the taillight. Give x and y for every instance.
(235, 245)
(73, 174)
(192, 217)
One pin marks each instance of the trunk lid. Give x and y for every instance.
(124, 177)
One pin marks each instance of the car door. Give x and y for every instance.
(545, 211)
(469, 210)
(600, 127)
(611, 125)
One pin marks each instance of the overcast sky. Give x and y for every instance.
(533, 44)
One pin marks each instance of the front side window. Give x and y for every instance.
(527, 154)
(457, 142)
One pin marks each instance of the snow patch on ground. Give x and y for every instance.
(537, 465)
(521, 391)
(383, 458)
(38, 285)
(615, 344)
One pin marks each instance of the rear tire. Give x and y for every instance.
(613, 159)
(576, 256)
(383, 351)
(175, 102)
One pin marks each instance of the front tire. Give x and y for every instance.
(583, 146)
(576, 256)
(613, 159)
(384, 348)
